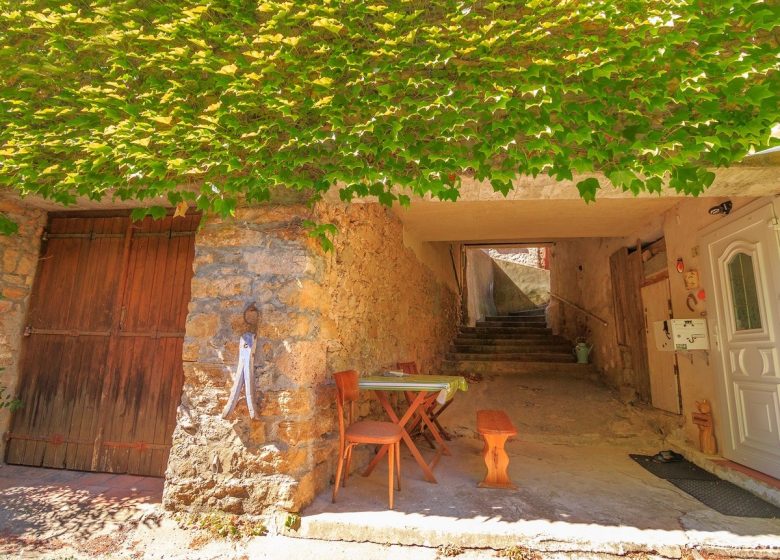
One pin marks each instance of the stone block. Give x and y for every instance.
(286, 403)
(304, 364)
(190, 351)
(26, 266)
(10, 258)
(269, 214)
(231, 235)
(224, 287)
(15, 294)
(295, 459)
(297, 432)
(283, 262)
(207, 375)
(203, 325)
(257, 432)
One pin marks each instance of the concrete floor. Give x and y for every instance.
(579, 496)
(579, 492)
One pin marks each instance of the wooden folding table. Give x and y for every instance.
(419, 390)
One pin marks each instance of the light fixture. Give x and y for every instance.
(722, 208)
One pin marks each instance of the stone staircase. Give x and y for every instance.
(515, 343)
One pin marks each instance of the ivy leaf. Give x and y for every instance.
(7, 226)
(587, 188)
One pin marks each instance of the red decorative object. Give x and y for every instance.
(701, 294)
(680, 265)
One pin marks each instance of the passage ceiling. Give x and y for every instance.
(536, 220)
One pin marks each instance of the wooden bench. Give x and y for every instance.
(495, 427)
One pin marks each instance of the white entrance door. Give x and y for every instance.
(744, 276)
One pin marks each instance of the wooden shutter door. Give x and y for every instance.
(101, 365)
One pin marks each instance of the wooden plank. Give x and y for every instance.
(170, 293)
(104, 268)
(55, 367)
(627, 278)
(139, 460)
(664, 383)
(46, 361)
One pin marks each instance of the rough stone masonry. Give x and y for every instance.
(365, 305)
(18, 262)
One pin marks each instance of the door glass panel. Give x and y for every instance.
(744, 292)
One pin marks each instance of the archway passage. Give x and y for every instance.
(101, 366)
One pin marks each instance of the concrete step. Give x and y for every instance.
(505, 330)
(459, 367)
(541, 346)
(513, 324)
(559, 357)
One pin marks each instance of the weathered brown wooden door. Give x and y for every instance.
(627, 278)
(101, 370)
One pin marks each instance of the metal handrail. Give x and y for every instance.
(578, 308)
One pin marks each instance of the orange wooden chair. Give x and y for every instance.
(370, 432)
(408, 367)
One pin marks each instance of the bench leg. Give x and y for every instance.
(496, 461)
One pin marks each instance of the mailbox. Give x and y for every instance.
(681, 334)
(690, 334)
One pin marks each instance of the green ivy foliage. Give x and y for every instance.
(213, 101)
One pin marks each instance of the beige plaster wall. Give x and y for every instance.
(479, 284)
(517, 286)
(698, 377)
(18, 263)
(580, 272)
(436, 256)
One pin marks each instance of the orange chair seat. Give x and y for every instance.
(372, 431)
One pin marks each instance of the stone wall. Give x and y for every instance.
(385, 305)
(365, 305)
(239, 465)
(18, 264)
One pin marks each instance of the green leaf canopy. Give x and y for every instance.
(217, 100)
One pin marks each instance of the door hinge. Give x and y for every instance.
(774, 223)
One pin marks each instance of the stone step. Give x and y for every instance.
(528, 312)
(513, 324)
(504, 338)
(512, 357)
(505, 330)
(459, 367)
(486, 340)
(516, 348)
(515, 319)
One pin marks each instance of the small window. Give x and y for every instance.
(744, 293)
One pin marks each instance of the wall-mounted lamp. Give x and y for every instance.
(722, 208)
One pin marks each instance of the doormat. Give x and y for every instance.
(722, 496)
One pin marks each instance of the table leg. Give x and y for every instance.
(427, 472)
(423, 413)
